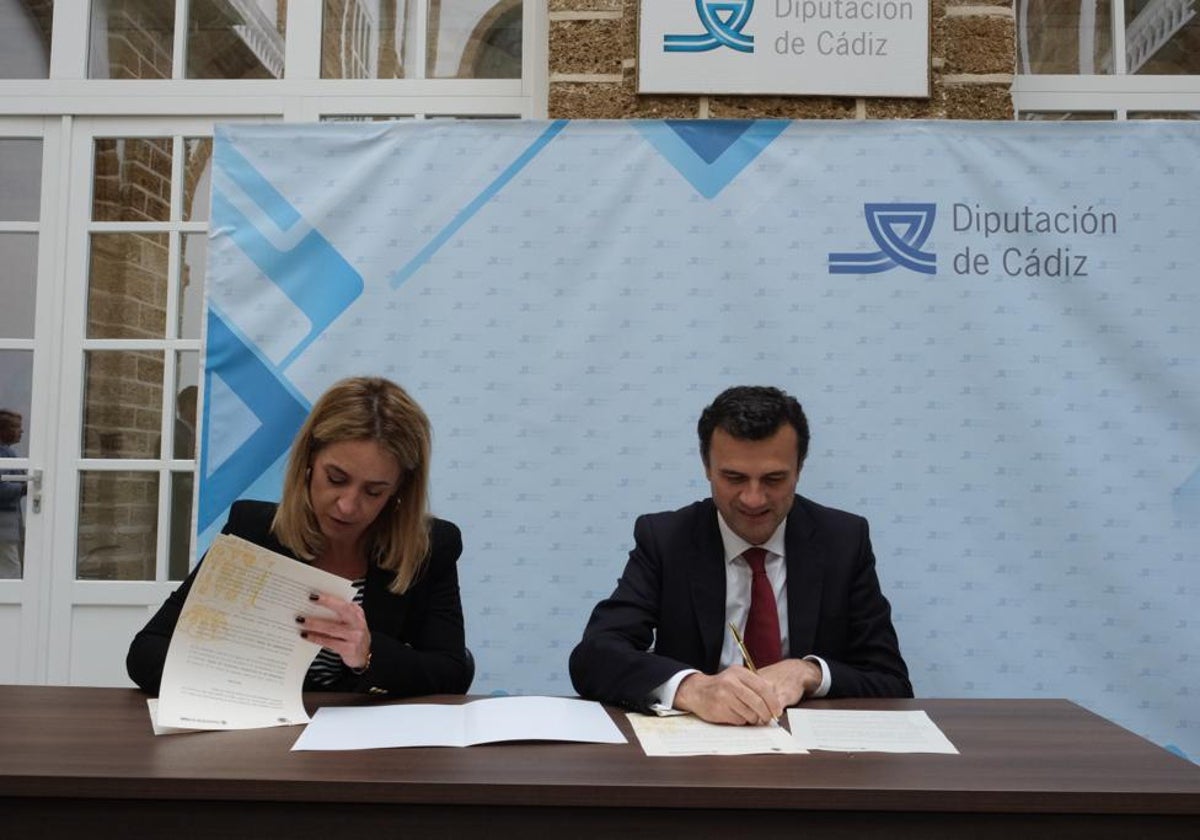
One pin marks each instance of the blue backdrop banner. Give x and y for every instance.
(993, 327)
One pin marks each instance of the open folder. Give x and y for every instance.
(477, 722)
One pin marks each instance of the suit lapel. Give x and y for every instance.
(707, 577)
(382, 617)
(805, 568)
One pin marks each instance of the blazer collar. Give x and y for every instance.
(805, 559)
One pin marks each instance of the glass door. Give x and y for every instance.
(28, 184)
(136, 259)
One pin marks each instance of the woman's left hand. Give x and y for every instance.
(345, 634)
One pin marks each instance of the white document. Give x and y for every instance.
(236, 659)
(688, 735)
(856, 730)
(478, 722)
(152, 705)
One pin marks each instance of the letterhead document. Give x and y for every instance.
(486, 721)
(861, 730)
(236, 659)
(688, 735)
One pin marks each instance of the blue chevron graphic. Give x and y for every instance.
(710, 154)
(278, 408)
(312, 273)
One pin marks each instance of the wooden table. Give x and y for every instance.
(84, 761)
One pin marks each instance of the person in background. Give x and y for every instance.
(354, 504)
(184, 447)
(795, 578)
(11, 493)
(185, 422)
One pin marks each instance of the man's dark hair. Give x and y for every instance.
(9, 421)
(753, 412)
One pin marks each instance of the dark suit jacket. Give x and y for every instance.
(672, 595)
(417, 644)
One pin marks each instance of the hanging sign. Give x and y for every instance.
(785, 47)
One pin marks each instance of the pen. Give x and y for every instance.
(737, 637)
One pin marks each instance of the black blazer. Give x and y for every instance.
(417, 642)
(672, 596)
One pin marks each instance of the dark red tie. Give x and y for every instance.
(762, 624)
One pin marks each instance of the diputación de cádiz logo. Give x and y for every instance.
(723, 21)
(899, 230)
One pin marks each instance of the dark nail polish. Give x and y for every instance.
(303, 635)
(299, 619)
(312, 596)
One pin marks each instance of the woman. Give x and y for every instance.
(354, 505)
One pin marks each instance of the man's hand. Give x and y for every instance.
(734, 696)
(792, 679)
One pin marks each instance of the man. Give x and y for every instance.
(811, 605)
(11, 537)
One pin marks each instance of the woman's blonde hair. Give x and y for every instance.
(364, 408)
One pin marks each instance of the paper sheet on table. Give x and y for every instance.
(152, 705)
(859, 730)
(478, 722)
(688, 735)
(236, 659)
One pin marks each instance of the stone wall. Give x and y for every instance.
(593, 70)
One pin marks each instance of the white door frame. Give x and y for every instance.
(30, 596)
(91, 621)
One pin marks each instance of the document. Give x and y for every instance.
(236, 659)
(688, 735)
(856, 730)
(478, 722)
(152, 705)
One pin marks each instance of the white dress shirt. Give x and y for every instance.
(737, 608)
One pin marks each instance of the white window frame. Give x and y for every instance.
(68, 110)
(300, 96)
(1118, 93)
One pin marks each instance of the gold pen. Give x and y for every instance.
(737, 637)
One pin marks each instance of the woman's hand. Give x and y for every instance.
(345, 634)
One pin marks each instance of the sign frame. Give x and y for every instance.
(877, 48)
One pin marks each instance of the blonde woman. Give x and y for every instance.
(354, 504)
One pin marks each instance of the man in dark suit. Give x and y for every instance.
(809, 600)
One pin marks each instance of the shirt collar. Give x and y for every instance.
(735, 545)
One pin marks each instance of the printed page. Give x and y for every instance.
(858, 730)
(236, 659)
(688, 735)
